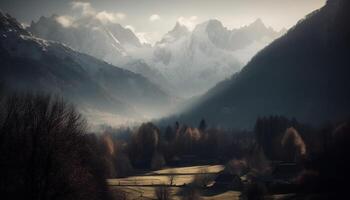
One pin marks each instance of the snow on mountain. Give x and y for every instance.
(199, 58)
(31, 64)
(105, 41)
(110, 42)
(208, 54)
(304, 75)
(176, 33)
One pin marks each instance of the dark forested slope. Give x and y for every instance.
(304, 74)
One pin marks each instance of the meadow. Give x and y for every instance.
(143, 186)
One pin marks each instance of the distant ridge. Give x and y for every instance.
(304, 74)
(31, 64)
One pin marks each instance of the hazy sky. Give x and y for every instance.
(152, 18)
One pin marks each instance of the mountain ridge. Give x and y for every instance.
(206, 55)
(303, 74)
(181, 57)
(37, 65)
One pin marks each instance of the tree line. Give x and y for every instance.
(47, 151)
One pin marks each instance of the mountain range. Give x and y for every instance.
(99, 89)
(200, 58)
(304, 74)
(208, 54)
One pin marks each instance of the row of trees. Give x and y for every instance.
(150, 147)
(320, 153)
(46, 152)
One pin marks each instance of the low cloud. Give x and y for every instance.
(106, 17)
(189, 22)
(154, 17)
(86, 10)
(65, 21)
(84, 7)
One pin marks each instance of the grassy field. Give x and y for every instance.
(143, 186)
(182, 175)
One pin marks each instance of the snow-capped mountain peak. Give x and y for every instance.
(258, 23)
(176, 33)
(208, 54)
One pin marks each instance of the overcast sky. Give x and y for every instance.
(150, 19)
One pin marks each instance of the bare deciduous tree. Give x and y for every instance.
(172, 178)
(45, 153)
(163, 193)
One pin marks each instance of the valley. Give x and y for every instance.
(195, 100)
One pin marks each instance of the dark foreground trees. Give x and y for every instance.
(45, 152)
(328, 171)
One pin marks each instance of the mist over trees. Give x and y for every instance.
(328, 170)
(48, 154)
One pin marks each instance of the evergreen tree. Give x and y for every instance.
(202, 125)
